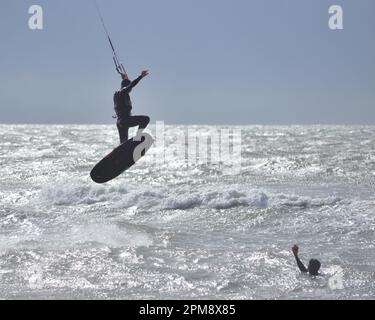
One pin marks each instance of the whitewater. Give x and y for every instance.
(177, 230)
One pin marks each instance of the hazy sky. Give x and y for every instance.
(211, 61)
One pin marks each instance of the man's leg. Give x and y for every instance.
(123, 131)
(140, 121)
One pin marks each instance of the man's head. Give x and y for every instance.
(125, 83)
(314, 267)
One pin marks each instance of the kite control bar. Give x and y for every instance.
(119, 66)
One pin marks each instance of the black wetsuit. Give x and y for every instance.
(123, 108)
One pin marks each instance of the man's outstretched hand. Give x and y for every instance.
(144, 73)
(295, 250)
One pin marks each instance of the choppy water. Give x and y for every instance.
(178, 231)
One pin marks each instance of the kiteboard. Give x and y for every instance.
(122, 158)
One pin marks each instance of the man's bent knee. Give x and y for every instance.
(145, 121)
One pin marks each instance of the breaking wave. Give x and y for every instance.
(144, 197)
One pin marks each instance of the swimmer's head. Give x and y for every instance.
(314, 267)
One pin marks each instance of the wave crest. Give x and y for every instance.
(145, 197)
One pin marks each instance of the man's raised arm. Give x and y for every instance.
(135, 82)
(301, 266)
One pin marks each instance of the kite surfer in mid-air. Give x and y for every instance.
(130, 150)
(122, 101)
(123, 107)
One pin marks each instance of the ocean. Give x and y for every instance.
(179, 230)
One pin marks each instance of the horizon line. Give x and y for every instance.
(192, 124)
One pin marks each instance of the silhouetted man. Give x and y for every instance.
(123, 108)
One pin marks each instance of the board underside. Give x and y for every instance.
(121, 159)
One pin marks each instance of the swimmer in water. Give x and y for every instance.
(314, 265)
